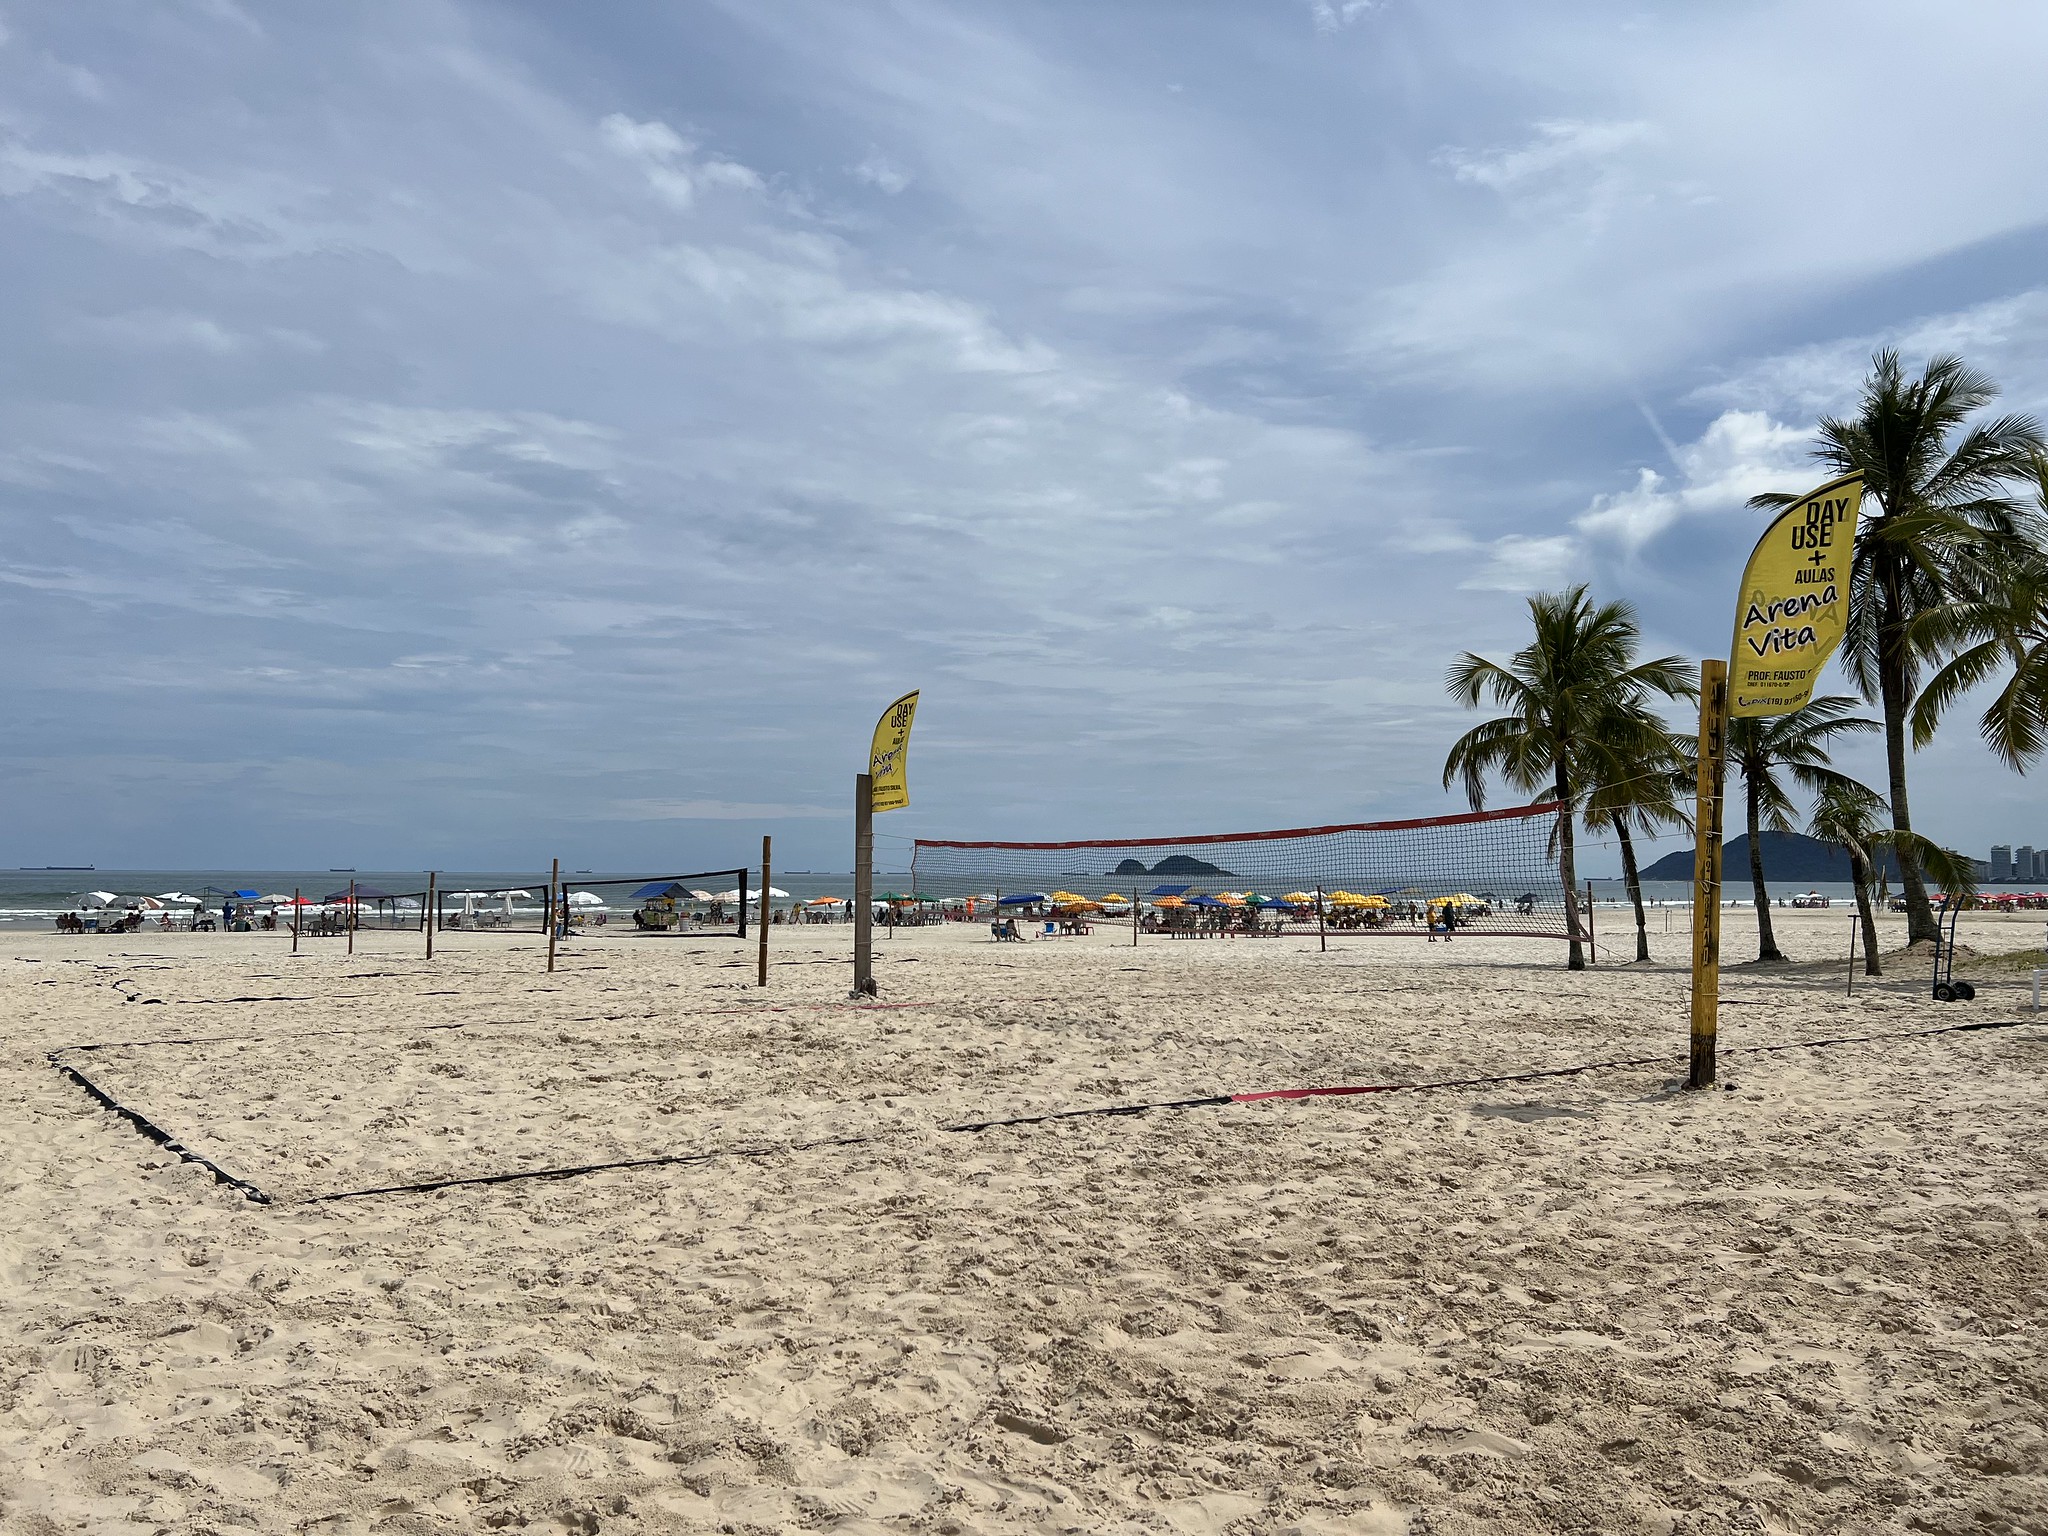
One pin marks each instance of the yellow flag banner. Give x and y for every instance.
(1794, 602)
(888, 758)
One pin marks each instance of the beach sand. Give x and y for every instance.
(1583, 1303)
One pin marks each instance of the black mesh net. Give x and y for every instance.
(1495, 872)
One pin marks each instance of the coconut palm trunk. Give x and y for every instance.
(1859, 873)
(1568, 866)
(1766, 940)
(1635, 887)
(1892, 697)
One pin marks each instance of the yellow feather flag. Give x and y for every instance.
(889, 755)
(1794, 602)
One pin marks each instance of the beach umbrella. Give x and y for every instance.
(1226, 899)
(826, 901)
(585, 899)
(702, 896)
(1170, 901)
(1023, 899)
(1066, 897)
(98, 899)
(1299, 898)
(178, 899)
(777, 895)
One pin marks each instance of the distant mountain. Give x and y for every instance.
(1790, 858)
(1172, 864)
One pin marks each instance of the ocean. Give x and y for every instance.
(34, 897)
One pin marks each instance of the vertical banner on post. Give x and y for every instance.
(884, 787)
(1794, 602)
(1790, 615)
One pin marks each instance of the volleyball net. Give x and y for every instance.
(1496, 870)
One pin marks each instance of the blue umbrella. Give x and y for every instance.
(1024, 899)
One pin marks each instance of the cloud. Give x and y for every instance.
(1558, 146)
(1522, 563)
(1740, 454)
(1335, 15)
(709, 810)
(882, 174)
(673, 165)
(576, 445)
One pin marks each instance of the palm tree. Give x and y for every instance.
(1562, 691)
(1760, 747)
(1850, 816)
(1847, 815)
(1937, 505)
(2002, 623)
(1640, 785)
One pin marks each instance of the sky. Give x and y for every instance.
(450, 434)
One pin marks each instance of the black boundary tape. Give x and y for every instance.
(157, 1133)
(163, 1138)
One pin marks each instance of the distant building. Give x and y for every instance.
(2023, 867)
(2001, 861)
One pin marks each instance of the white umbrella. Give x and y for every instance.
(508, 895)
(180, 899)
(774, 893)
(585, 899)
(98, 899)
(707, 896)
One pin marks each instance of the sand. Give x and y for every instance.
(1588, 1303)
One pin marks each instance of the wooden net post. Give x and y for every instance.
(1592, 939)
(351, 917)
(864, 885)
(761, 978)
(554, 879)
(1322, 928)
(296, 910)
(1706, 872)
(433, 912)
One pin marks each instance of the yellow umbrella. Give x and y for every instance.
(1066, 898)
(1299, 898)
(1230, 898)
(1169, 901)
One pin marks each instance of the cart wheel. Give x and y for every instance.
(1944, 993)
(1965, 993)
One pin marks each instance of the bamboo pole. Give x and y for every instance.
(1855, 925)
(1322, 928)
(1134, 917)
(351, 917)
(554, 878)
(296, 911)
(864, 885)
(1592, 942)
(762, 968)
(1706, 872)
(433, 913)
